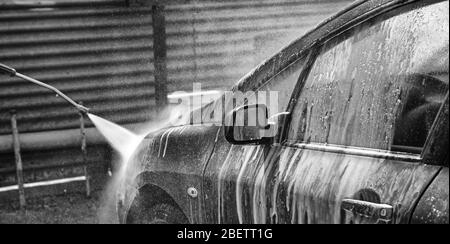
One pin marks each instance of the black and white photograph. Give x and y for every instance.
(229, 113)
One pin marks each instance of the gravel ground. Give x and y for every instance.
(65, 209)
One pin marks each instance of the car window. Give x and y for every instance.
(378, 86)
(282, 85)
(278, 91)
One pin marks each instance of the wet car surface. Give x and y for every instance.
(362, 136)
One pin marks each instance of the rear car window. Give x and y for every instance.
(380, 85)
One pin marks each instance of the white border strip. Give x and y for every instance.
(43, 183)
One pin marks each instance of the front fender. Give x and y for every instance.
(174, 160)
(433, 206)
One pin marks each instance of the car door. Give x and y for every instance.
(219, 196)
(352, 150)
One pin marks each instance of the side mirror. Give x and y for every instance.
(249, 124)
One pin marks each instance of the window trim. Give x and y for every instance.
(309, 63)
(435, 150)
(356, 151)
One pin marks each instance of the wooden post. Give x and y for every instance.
(84, 152)
(18, 157)
(160, 54)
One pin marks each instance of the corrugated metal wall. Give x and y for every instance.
(102, 54)
(217, 42)
(99, 55)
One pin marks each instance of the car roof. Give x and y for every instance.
(341, 21)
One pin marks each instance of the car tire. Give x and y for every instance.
(158, 214)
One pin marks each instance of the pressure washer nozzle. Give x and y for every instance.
(12, 72)
(7, 70)
(82, 108)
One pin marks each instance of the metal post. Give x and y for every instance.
(18, 157)
(84, 152)
(160, 54)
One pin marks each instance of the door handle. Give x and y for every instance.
(368, 212)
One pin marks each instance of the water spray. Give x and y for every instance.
(118, 137)
(13, 73)
(121, 139)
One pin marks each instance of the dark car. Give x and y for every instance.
(360, 135)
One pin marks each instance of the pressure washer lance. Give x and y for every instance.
(13, 73)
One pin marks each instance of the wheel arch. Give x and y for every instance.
(153, 188)
(151, 195)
